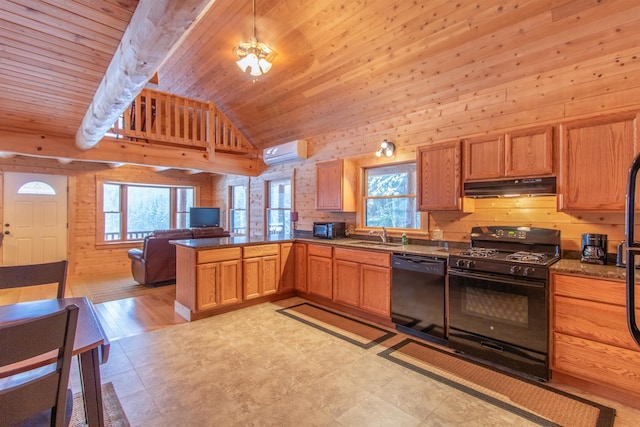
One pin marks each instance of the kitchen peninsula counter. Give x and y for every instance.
(232, 241)
(214, 275)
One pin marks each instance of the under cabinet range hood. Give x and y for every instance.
(511, 187)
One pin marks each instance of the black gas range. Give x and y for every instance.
(509, 250)
(498, 297)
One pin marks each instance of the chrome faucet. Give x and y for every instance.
(382, 234)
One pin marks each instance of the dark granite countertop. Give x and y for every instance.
(222, 242)
(574, 266)
(436, 249)
(439, 250)
(431, 250)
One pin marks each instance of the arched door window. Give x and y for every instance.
(36, 187)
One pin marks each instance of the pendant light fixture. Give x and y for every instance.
(254, 55)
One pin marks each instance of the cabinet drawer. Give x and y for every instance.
(215, 255)
(319, 250)
(261, 250)
(605, 323)
(363, 257)
(608, 291)
(596, 362)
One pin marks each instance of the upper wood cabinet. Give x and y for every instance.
(529, 152)
(522, 153)
(483, 158)
(594, 162)
(438, 170)
(336, 186)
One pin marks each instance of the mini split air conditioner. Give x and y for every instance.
(289, 152)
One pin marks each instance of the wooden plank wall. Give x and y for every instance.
(528, 211)
(85, 257)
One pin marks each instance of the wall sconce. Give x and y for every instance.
(387, 148)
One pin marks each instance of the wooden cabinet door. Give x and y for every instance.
(320, 280)
(597, 362)
(529, 152)
(287, 267)
(376, 289)
(230, 282)
(300, 256)
(605, 323)
(208, 276)
(269, 274)
(346, 282)
(251, 277)
(594, 162)
(483, 158)
(335, 186)
(438, 170)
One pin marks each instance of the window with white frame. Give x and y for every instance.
(278, 207)
(132, 211)
(238, 211)
(390, 197)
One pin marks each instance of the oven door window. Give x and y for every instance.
(500, 308)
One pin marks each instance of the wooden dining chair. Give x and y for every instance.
(17, 276)
(37, 395)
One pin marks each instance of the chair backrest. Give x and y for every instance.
(23, 340)
(16, 276)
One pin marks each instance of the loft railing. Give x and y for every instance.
(165, 119)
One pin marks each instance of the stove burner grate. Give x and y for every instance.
(479, 252)
(527, 256)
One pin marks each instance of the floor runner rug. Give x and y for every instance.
(114, 415)
(531, 400)
(352, 330)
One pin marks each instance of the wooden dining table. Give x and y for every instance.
(91, 345)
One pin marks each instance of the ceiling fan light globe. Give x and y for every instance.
(264, 65)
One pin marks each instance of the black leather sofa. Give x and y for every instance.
(155, 263)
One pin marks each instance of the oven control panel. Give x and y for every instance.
(511, 234)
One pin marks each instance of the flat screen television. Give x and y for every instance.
(204, 217)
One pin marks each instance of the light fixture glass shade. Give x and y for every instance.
(254, 55)
(387, 148)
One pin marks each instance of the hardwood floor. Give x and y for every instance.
(120, 318)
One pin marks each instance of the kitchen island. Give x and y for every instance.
(222, 274)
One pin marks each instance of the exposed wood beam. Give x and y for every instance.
(118, 151)
(155, 28)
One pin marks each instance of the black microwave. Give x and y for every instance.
(329, 230)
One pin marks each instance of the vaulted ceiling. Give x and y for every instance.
(339, 64)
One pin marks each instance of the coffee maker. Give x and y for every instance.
(594, 248)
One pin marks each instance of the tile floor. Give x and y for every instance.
(255, 367)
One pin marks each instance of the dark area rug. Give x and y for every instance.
(531, 400)
(352, 330)
(114, 415)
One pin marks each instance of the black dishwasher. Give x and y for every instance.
(418, 296)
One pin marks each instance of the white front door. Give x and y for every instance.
(34, 218)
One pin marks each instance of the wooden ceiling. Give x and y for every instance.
(53, 55)
(339, 64)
